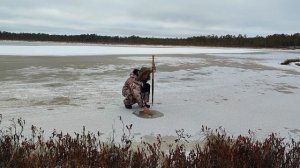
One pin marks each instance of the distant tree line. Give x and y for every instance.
(270, 41)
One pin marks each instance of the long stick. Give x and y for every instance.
(152, 78)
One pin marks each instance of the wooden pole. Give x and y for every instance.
(152, 79)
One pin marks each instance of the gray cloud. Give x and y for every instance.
(168, 18)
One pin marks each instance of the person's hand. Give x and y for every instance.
(146, 110)
(153, 68)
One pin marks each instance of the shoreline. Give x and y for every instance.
(10, 42)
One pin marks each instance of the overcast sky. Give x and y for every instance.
(151, 18)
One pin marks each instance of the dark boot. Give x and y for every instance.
(128, 106)
(146, 97)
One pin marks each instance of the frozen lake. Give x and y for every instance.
(67, 86)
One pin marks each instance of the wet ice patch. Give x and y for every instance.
(54, 101)
(60, 101)
(61, 75)
(170, 61)
(54, 85)
(283, 88)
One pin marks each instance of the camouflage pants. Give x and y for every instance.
(130, 99)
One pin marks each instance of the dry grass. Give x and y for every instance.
(86, 150)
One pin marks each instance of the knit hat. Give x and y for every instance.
(143, 71)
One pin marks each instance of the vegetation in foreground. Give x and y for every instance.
(87, 150)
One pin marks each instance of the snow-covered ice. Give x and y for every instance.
(238, 89)
(65, 49)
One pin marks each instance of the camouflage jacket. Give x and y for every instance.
(132, 88)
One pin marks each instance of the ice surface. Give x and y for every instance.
(62, 49)
(194, 86)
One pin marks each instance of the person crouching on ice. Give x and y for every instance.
(137, 90)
